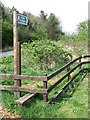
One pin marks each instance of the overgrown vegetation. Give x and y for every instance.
(66, 103)
(45, 48)
(43, 55)
(77, 42)
(74, 105)
(40, 57)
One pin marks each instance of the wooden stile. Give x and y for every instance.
(17, 88)
(25, 98)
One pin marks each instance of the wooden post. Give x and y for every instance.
(80, 65)
(19, 65)
(68, 69)
(15, 39)
(45, 96)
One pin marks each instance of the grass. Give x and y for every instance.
(66, 106)
(7, 66)
(74, 105)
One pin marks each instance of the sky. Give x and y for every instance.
(69, 12)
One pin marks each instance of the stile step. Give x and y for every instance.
(25, 98)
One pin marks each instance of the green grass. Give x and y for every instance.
(66, 106)
(7, 66)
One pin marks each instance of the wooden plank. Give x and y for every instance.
(15, 88)
(55, 96)
(24, 77)
(86, 69)
(60, 80)
(61, 69)
(86, 62)
(71, 79)
(63, 88)
(7, 76)
(85, 56)
(25, 98)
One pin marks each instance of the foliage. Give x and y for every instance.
(52, 25)
(41, 33)
(81, 33)
(38, 27)
(43, 54)
(7, 34)
(82, 29)
(76, 42)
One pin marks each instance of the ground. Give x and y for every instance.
(5, 114)
(75, 106)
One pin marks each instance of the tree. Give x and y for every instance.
(43, 15)
(7, 34)
(82, 29)
(2, 11)
(53, 27)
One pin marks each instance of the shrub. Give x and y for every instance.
(7, 34)
(43, 54)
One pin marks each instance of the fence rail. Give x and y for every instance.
(63, 88)
(23, 77)
(16, 88)
(45, 91)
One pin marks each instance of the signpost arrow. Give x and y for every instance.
(22, 19)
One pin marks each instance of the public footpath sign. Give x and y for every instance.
(22, 19)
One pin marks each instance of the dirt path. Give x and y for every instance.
(1, 112)
(5, 114)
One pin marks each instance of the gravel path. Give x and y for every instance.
(3, 54)
(5, 114)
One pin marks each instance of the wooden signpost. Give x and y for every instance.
(15, 40)
(17, 19)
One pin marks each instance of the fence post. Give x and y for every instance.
(80, 65)
(45, 96)
(68, 69)
(18, 66)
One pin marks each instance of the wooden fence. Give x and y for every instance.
(45, 91)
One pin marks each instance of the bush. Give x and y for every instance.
(7, 34)
(43, 54)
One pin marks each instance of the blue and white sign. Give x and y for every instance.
(22, 19)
